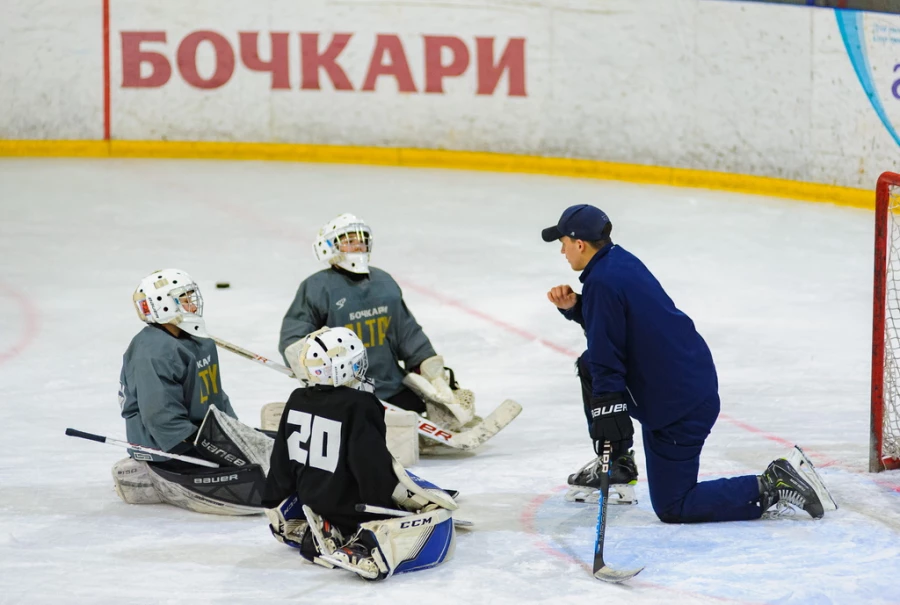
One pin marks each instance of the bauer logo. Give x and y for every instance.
(872, 41)
(219, 479)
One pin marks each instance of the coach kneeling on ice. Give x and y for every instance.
(330, 460)
(172, 400)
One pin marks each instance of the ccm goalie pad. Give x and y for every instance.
(447, 404)
(381, 549)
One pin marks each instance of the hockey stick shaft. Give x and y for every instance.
(393, 512)
(464, 440)
(601, 571)
(139, 448)
(604, 502)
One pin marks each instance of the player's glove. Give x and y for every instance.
(287, 523)
(610, 420)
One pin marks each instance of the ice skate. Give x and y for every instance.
(357, 558)
(790, 483)
(585, 484)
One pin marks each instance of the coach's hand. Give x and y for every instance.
(563, 297)
(610, 420)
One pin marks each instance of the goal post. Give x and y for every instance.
(884, 443)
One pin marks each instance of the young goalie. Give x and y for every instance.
(330, 456)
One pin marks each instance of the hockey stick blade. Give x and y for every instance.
(469, 439)
(608, 574)
(473, 437)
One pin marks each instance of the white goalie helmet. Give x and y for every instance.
(345, 241)
(171, 296)
(334, 357)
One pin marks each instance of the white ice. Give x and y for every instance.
(780, 289)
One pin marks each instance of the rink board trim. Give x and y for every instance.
(440, 158)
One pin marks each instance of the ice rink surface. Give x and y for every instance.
(781, 291)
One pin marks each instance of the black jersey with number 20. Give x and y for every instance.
(331, 450)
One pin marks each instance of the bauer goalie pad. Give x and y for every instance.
(133, 482)
(235, 490)
(415, 494)
(230, 442)
(447, 404)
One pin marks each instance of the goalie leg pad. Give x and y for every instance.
(402, 437)
(404, 544)
(228, 491)
(414, 494)
(133, 482)
(270, 415)
(230, 442)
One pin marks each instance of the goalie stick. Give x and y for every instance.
(393, 512)
(468, 439)
(601, 571)
(139, 448)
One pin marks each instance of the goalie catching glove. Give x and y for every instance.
(447, 404)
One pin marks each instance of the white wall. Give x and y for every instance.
(726, 86)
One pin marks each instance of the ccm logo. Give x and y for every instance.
(609, 409)
(221, 479)
(415, 523)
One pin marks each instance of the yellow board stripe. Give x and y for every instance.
(439, 158)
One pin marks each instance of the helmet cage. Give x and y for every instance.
(171, 297)
(335, 357)
(345, 231)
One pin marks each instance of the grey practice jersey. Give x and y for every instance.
(167, 385)
(372, 307)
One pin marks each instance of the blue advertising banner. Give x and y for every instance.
(873, 45)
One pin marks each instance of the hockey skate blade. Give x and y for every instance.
(807, 470)
(607, 574)
(620, 494)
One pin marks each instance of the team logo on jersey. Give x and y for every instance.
(340, 304)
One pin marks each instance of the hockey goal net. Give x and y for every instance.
(884, 450)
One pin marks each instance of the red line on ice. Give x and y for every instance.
(31, 323)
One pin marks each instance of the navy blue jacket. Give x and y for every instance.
(639, 344)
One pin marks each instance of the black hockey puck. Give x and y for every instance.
(222, 284)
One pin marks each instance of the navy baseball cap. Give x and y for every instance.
(584, 222)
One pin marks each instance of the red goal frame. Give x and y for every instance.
(878, 460)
